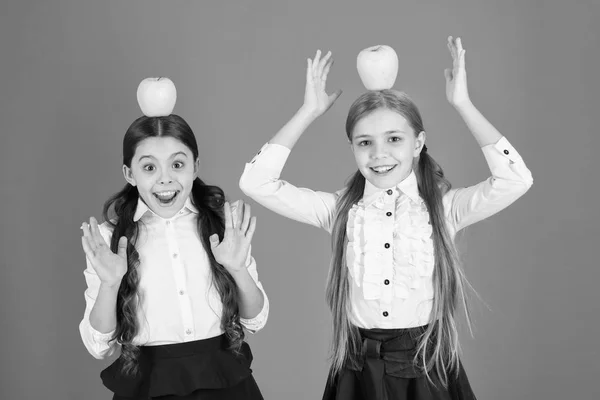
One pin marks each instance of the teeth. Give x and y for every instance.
(165, 194)
(382, 168)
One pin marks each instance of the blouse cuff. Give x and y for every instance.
(504, 149)
(271, 155)
(96, 342)
(255, 324)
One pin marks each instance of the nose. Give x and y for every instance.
(378, 150)
(165, 178)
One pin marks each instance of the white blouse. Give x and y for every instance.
(178, 302)
(389, 253)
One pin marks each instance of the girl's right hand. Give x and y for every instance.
(109, 266)
(316, 100)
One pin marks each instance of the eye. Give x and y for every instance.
(396, 139)
(364, 143)
(178, 164)
(149, 167)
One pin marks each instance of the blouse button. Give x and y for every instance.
(387, 245)
(389, 213)
(387, 281)
(174, 255)
(390, 191)
(188, 332)
(506, 152)
(168, 222)
(385, 314)
(181, 292)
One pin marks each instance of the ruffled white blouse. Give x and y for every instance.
(389, 254)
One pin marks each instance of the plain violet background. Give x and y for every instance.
(70, 71)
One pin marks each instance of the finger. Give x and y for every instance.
(122, 249)
(452, 47)
(251, 229)
(88, 235)
(448, 74)
(334, 96)
(95, 231)
(458, 45)
(214, 241)
(87, 249)
(323, 63)
(462, 57)
(246, 222)
(240, 214)
(326, 70)
(228, 216)
(315, 62)
(309, 76)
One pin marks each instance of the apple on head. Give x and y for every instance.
(157, 96)
(377, 67)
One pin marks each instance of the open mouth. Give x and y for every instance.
(167, 197)
(383, 169)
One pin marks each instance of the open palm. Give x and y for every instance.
(456, 77)
(110, 267)
(233, 250)
(316, 99)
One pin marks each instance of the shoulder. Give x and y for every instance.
(448, 198)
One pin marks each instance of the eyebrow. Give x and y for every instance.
(172, 155)
(385, 133)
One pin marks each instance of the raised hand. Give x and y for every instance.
(456, 77)
(233, 249)
(316, 100)
(109, 267)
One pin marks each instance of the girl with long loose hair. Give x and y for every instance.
(395, 281)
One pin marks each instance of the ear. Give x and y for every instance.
(129, 175)
(351, 147)
(197, 168)
(419, 143)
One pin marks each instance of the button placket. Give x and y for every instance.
(387, 235)
(178, 269)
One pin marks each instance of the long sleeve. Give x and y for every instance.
(255, 324)
(97, 343)
(510, 179)
(261, 182)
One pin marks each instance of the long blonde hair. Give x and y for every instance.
(438, 346)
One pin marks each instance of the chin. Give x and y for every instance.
(163, 210)
(385, 182)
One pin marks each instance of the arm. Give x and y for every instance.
(233, 252)
(260, 179)
(99, 320)
(510, 176)
(254, 303)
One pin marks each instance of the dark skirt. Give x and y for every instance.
(386, 371)
(198, 370)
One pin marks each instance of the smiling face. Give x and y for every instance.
(385, 146)
(163, 169)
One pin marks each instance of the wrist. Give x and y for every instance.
(463, 105)
(238, 272)
(307, 114)
(109, 287)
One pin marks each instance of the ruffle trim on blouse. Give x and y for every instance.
(412, 259)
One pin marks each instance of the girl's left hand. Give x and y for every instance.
(232, 252)
(456, 77)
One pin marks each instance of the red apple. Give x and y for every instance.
(377, 67)
(157, 96)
